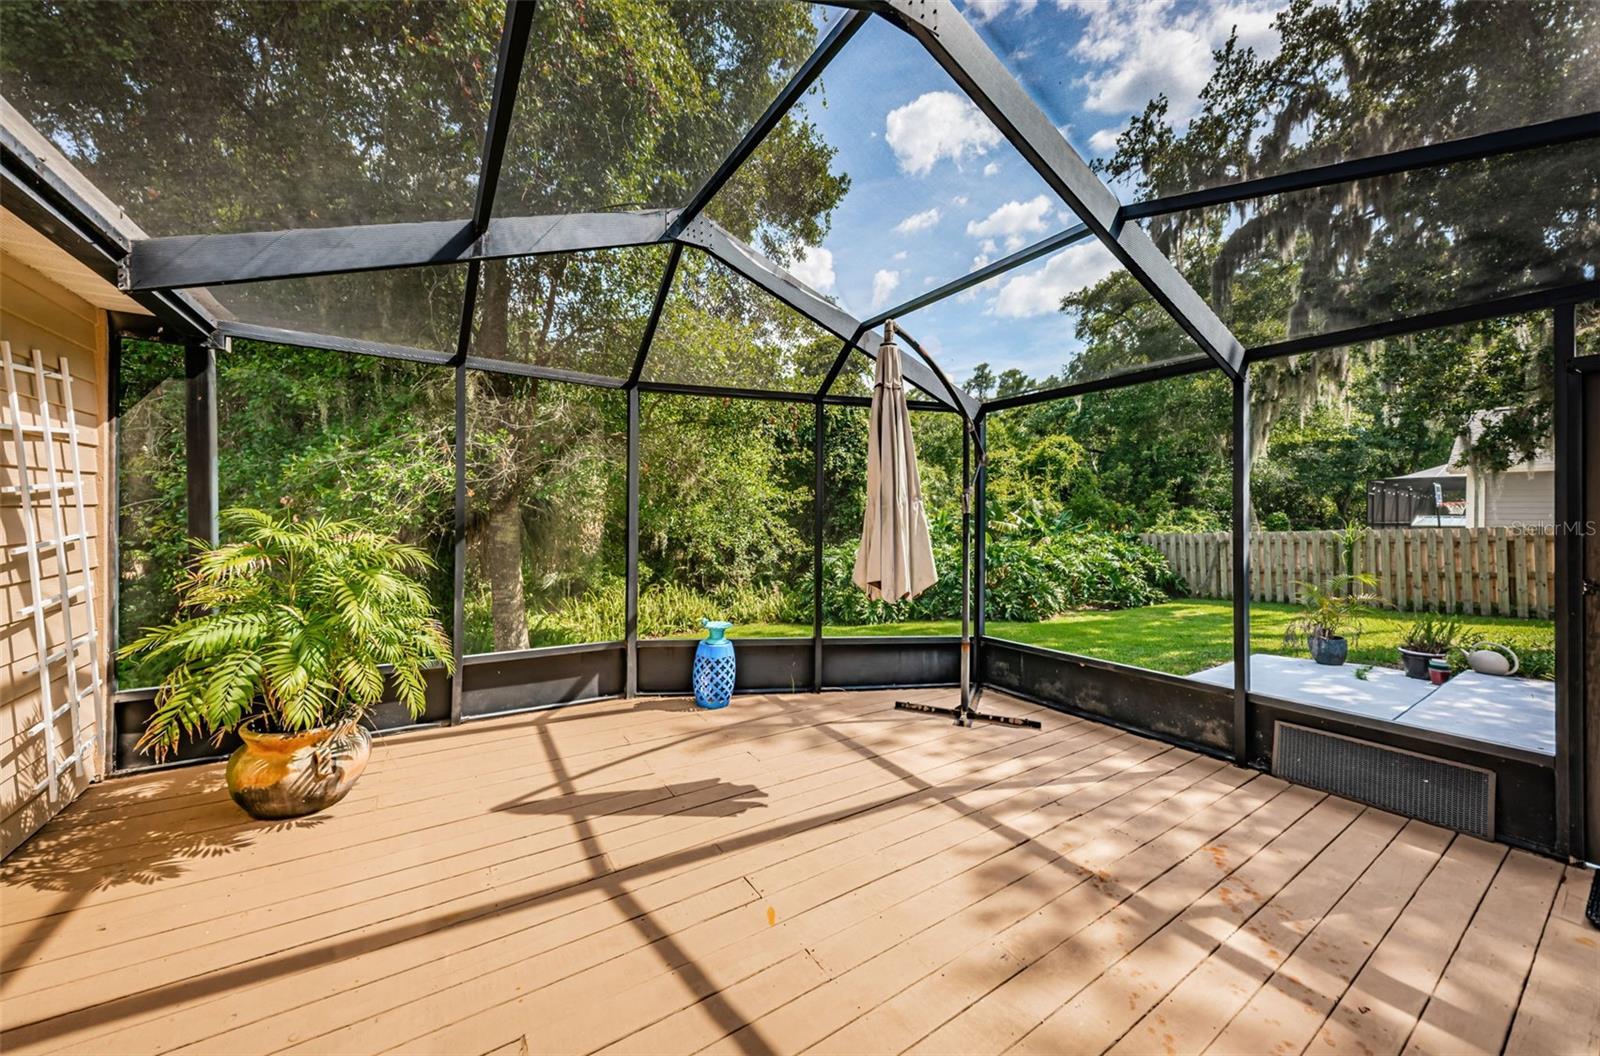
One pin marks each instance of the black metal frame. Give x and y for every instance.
(156, 272)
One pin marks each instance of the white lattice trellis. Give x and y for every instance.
(62, 478)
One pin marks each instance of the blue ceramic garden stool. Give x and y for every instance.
(713, 666)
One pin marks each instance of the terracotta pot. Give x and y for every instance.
(289, 775)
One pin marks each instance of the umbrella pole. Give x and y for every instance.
(965, 713)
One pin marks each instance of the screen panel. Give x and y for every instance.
(312, 433)
(417, 308)
(1182, 97)
(885, 180)
(575, 311)
(1372, 250)
(725, 525)
(1108, 522)
(718, 328)
(1423, 467)
(152, 495)
(213, 118)
(547, 513)
(634, 105)
(1073, 316)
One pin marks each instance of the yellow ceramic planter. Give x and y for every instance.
(289, 775)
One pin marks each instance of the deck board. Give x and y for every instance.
(797, 873)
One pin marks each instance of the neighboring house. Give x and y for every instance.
(1522, 495)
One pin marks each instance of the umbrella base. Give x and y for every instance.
(964, 715)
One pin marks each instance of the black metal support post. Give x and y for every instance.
(458, 564)
(980, 570)
(458, 551)
(200, 439)
(1570, 452)
(631, 604)
(1241, 567)
(819, 492)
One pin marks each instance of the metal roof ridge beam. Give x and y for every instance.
(944, 32)
(1025, 255)
(502, 105)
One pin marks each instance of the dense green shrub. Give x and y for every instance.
(1030, 578)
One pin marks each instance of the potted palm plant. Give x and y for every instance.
(288, 634)
(1330, 617)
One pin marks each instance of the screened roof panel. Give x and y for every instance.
(1073, 316)
(415, 307)
(1371, 250)
(200, 118)
(576, 311)
(633, 106)
(1333, 83)
(885, 180)
(718, 328)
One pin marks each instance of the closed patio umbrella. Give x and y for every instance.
(894, 560)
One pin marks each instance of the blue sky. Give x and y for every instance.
(936, 191)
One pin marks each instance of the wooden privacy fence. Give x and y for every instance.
(1478, 571)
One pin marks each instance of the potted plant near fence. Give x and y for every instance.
(1430, 637)
(289, 634)
(1330, 618)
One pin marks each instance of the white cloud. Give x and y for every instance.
(959, 200)
(918, 221)
(984, 10)
(992, 169)
(928, 280)
(900, 255)
(1013, 221)
(884, 284)
(990, 247)
(937, 125)
(979, 261)
(813, 266)
(1105, 140)
(1138, 49)
(1039, 292)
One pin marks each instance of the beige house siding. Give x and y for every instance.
(1518, 496)
(38, 312)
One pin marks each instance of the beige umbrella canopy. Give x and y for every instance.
(895, 558)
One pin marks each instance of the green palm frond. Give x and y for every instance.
(290, 625)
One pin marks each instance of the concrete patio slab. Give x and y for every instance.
(1383, 694)
(1508, 711)
(1515, 712)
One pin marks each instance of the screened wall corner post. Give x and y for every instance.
(200, 438)
(631, 600)
(1572, 448)
(819, 488)
(981, 561)
(1240, 542)
(458, 575)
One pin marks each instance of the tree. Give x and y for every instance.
(982, 382)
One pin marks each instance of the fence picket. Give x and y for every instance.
(1483, 571)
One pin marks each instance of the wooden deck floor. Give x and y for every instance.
(796, 873)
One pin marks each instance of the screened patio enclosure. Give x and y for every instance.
(545, 233)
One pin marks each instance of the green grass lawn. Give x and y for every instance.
(1179, 637)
